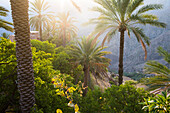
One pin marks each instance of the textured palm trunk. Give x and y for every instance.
(86, 72)
(41, 30)
(25, 74)
(121, 50)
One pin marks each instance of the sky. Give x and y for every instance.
(58, 6)
(65, 5)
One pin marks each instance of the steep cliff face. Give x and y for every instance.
(133, 53)
(135, 61)
(134, 58)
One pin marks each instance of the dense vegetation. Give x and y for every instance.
(59, 73)
(125, 97)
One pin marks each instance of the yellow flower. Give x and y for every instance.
(100, 97)
(53, 79)
(59, 111)
(76, 108)
(71, 89)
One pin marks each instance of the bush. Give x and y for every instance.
(43, 46)
(91, 103)
(135, 76)
(124, 98)
(157, 104)
(47, 100)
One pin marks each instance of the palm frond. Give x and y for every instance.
(150, 7)
(165, 54)
(2, 9)
(154, 67)
(76, 6)
(138, 33)
(134, 4)
(6, 25)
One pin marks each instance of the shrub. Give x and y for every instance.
(47, 100)
(157, 104)
(124, 98)
(92, 102)
(43, 46)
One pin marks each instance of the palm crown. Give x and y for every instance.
(40, 16)
(67, 29)
(117, 15)
(91, 56)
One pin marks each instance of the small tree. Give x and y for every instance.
(90, 56)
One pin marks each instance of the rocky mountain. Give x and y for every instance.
(134, 61)
(134, 54)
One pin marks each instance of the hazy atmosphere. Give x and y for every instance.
(84, 56)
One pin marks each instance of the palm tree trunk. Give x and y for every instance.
(40, 30)
(86, 72)
(121, 48)
(64, 37)
(25, 74)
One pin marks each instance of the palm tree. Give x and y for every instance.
(162, 72)
(90, 56)
(66, 28)
(124, 15)
(5, 24)
(25, 73)
(40, 15)
(51, 29)
(5, 35)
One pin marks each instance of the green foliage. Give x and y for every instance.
(43, 46)
(116, 99)
(8, 74)
(91, 57)
(162, 72)
(5, 35)
(164, 53)
(56, 40)
(5, 24)
(135, 76)
(157, 104)
(47, 100)
(92, 102)
(124, 99)
(61, 62)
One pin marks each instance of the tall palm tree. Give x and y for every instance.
(40, 15)
(25, 74)
(90, 56)
(124, 15)
(66, 28)
(5, 24)
(162, 72)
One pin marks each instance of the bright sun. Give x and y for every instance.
(61, 5)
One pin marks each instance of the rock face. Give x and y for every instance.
(134, 55)
(135, 61)
(133, 52)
